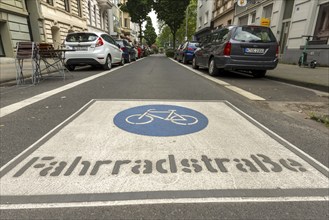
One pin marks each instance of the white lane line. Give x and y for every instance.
(19, 105)
(245, 93)
(163, 201)
(242, 92)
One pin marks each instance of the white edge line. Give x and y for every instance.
(43, 137)
(279, 137)
(19, 105)
(225, 84)
(164, 201)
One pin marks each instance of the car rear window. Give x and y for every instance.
(81, 37)
(254, 34)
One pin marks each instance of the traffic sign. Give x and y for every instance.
(160, 120)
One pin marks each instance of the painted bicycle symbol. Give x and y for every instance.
(169, 115)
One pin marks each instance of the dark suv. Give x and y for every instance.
(253, 49)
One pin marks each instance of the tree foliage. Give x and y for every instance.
(138, 11)
(149, 33)
(165, 34)
(172, 13)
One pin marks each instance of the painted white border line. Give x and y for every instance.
(163, 201)
(19, 105)
(242, 92)
(46, 135)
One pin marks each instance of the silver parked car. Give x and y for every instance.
(252, 49)
(92, 48)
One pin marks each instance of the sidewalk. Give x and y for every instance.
(317, 78)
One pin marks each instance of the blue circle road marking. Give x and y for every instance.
(160, 120)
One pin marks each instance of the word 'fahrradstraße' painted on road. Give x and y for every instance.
(93, 157)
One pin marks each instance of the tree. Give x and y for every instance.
(172, 13)
(149, 33)
(138, 11)
(191, 23)
(164, 38)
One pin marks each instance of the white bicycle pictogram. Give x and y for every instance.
(170, 115)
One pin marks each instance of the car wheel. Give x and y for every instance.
(70, 67)
(213, 70)
(194, 65)
(184, 60)
(258, 73)
(108, 63)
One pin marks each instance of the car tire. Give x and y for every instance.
(194, 65)
(184, 60)
(70, 67)
(258, 73)
(212, 69)
(108, 63)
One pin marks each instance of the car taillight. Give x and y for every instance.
(277, 52)
(227, 49)
(190, 49)
(123, 49)
(99, 42)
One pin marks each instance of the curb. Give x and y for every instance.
(318, 87)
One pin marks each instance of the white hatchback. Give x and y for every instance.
(92, 48)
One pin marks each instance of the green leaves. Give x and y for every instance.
(172, 13)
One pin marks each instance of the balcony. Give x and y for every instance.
(105, 4)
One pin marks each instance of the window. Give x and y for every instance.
(79, 8)
(89, 10)
(229, 22)
(243, 20)
(95, 15)
(267, 11)
(50, 2)
(253, 17)
(322, 24)
(288, 9)
(200, 21)
(67, 5)
(206, 17)
(126, 22)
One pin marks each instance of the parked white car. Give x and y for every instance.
(92, 48)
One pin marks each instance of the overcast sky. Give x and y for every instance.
(154, 21)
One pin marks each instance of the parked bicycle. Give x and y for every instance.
(169, 115)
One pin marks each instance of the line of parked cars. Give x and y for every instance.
(99, 49)
(248, 48)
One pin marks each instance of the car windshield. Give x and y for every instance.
(254, 34)
(81, 37)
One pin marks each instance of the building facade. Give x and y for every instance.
(223, 13)
(14, 25)
(204, 17)
(51, 20)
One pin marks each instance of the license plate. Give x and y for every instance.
(254, 50)
(81, 48)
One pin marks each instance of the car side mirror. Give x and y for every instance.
(118, 45)
(197, 45)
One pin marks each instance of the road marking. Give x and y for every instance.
(242, 92)
(19, 105)
(88, 160)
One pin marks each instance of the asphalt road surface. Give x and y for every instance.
(157, 140)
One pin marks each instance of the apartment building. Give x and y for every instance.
(204, 17)
(223, 13)
(14, 25)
